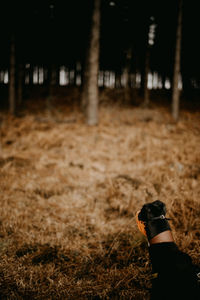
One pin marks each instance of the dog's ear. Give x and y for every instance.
(143, 215)
(161, 206)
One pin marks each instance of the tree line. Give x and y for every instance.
(123, 36)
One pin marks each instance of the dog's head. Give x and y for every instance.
(151, 210)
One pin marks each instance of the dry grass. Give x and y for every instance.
(69, 194)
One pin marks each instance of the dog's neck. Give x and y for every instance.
(163, 237)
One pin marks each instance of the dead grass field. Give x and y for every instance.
(69, 194)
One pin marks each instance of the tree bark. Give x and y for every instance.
(20, 84)
(51, 85)
(117, 79)
(146, 90)
(31, 69)
(163, 78)
(176, 92)
(127, 76)
(93, 68)
(146, 66)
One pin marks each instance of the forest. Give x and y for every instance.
(99, 115)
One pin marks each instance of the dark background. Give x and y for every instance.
(58, 32)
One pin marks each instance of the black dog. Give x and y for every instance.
(153, 215)
(176, 276)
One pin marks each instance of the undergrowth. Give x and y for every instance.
(69, 195)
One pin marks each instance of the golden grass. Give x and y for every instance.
(69, 194)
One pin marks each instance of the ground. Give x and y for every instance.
(69, 195)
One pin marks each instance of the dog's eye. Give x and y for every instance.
(148, 209)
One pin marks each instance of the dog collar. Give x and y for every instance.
(161, 217)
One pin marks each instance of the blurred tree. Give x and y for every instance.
(127, 75)
(176, 76)
(52, 70)
(150, 36)
(20, 81)
(123, 26)
(91, 89)
(146, 72)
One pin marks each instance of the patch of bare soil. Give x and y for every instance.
(69, 194)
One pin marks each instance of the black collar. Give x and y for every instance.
(161, 217)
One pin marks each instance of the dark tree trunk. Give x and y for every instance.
(93, 68)
(31, 74)
(52, 76)
(20, 84)
(127, 76)
(176, 92)
(12, 93)
(52, 70)
(163, 78)
(117, 79)
(146, 90)
(146, 66)
(104, 78)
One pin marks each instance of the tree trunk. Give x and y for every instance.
(12, 96)
(54, 77)
(127, 76)
(93, 68)
(20, 84)
(31, 69)
(176, 92)
(146, 66)
(146, 90)
(51, 85)
(163, 79)
(117, 79)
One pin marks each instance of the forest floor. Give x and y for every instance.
(69, 194)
